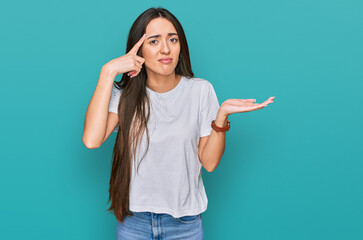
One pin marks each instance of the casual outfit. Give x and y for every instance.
(168, 180)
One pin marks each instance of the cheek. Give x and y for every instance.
(149, 57)
(148, 53)
(175, 48)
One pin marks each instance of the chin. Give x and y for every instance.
(164, 74)
(169, 70)
(164, 71)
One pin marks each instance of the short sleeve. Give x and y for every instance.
(114, 100)
(210, 106)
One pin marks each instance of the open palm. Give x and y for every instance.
(243, 105)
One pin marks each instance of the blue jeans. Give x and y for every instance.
(155, 226)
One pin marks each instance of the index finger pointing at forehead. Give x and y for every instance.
(138, 44)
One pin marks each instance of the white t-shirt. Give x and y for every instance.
(169, 177)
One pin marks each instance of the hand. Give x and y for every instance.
(242, 105)
(129, 62)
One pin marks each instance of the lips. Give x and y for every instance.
(165, 60)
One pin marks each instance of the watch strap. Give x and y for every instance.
(220, 129)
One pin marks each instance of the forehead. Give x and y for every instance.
(160, 26)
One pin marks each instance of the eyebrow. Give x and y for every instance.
(158, 35)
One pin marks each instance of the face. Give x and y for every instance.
(162, 41)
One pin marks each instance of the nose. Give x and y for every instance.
(165, 48)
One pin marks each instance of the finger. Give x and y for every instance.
(131, 72)
(239, 101)
(268, 101)
(140, 59)
(138, 64)
(253, 108)
(248, 100)
(136, 72)
(138, 45)
(137, 68)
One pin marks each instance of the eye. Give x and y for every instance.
(174, 40)
(151, 42)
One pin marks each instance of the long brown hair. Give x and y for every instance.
(132, 114)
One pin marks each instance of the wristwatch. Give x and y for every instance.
(220, 129)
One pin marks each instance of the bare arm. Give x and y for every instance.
(212, 148)
(99, 123)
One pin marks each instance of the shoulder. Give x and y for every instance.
(116, 92)
(199, 83)
(116, 87)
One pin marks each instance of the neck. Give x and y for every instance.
(162, 83)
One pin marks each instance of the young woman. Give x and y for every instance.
(167, 118)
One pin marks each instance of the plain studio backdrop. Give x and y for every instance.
(292, 170)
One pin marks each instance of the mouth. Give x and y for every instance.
(165, 60)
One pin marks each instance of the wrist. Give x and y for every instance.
(107, 70)
(106, 76)
(221, 120)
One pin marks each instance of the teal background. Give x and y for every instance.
(292, 170)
